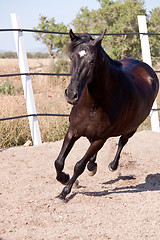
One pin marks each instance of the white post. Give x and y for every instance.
(26, 80)
(147, 59)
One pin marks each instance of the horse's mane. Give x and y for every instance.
(113, 63)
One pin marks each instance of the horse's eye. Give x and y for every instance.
(92, 61)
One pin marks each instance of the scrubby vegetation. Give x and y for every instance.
(49, 98)
(17, 132)
(13, 55)
(7, 87)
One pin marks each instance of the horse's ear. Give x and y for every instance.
(73, 37)
(98, 40)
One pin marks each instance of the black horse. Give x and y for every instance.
(110, 98)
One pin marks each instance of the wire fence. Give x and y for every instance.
(59, 74)
(35, 115)
(66, 33)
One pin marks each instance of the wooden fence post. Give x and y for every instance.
(26, 80)
(147, 59)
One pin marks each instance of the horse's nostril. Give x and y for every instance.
(75, 95)
(71, 95)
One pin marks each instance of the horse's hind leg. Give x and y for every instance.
(122, 142)
(68, 143)
(92, 166)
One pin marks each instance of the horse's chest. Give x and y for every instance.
(91, 122)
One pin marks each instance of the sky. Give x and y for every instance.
(29, 10)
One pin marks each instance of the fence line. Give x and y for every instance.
(66, 33)
(42, 74)
(34, 74)
(35, 115)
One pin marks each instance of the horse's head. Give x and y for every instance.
(83, 52)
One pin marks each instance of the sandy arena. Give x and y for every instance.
(120, 205)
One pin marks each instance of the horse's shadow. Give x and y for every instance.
(152, 183)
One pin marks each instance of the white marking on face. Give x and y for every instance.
(82, 53)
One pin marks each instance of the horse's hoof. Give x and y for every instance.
(59, 200)
(64, 178)
(110, 168)
(92, 172)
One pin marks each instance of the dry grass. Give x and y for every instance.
(49, 98)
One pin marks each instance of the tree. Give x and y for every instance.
(118, 17)
(54, 42)
(154, 40)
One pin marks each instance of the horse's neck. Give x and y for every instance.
(102, 85)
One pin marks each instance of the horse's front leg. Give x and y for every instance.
(80, 166)
(68, 143)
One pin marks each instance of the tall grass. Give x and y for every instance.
(17, 132)
(14, 133)
(49, 98)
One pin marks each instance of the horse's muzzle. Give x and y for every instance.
(71, 96)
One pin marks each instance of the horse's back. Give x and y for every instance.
(143, 77)
(139, 85)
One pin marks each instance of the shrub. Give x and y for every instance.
(37, 55)
(7, 87)
(8, 55)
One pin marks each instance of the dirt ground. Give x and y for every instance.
(120, 205)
